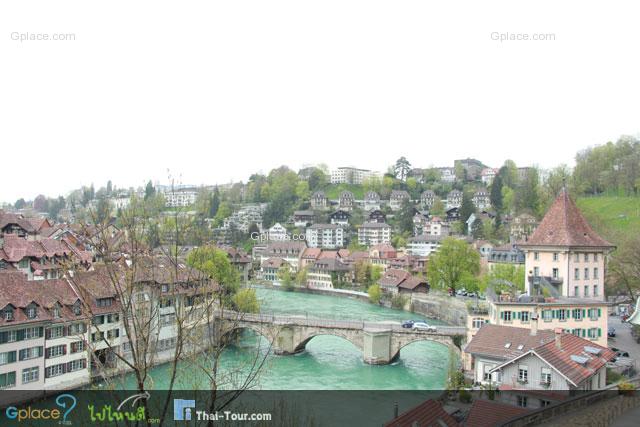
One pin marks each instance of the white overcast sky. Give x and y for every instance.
(216, 90)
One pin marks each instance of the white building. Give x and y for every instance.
(447, 174)
(180, 197)
(487, 175)
(326, 236)
(373, 233)
(277, 232)
(424, 245)
(351, 175)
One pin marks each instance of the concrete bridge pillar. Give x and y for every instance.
(377, 346)
(285, 342)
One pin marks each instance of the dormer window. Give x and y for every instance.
(77, 310)
(56, 312)
(31, 312)
(8, 315)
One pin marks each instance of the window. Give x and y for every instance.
(76, 365)
(555, 273)
(586, 274)
(77, 346)
(56, 313)
(112, 318)
(126, 347)
(576, 314)
(555, 256)
(547, 315)
(8, 315)
(545, 376)
(595, 290)
(522, 401)
(97, 336)
(524, 316)
(77, 310)
(56, 332)
(165, 288)
(77, 329)
(98, 320)
(24, 263)
(544, 403)
(169, 319)
(31, 333)
(56, 351)
(8, 380)
(486, 374)
(166, 344)
(166, 302)
(7, 357)
(576, 273)
(30, 353)
(523, 374)
(536, 256)
(586, 291)
(31, 312)
(576, 291)
(595, 273)
(536, 271)
(576, 258)
(30, 375)
(562, 315)
(577, 332)
(586, 257)
(55, 370)
(595, 257)
(104, 302)
(113, 333)
(506, 316)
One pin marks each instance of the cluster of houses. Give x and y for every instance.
(61, 307)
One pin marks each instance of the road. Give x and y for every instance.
(623, 339)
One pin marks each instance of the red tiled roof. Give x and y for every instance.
(560, 358)
(564, 225)
(490, 340)
(311, 253)
(273, 263)
(488, 413)
(428, 413)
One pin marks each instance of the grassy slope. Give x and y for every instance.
(613, 217)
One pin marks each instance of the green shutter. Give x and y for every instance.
(599, 332)
(502, 315)
(519, 314)
(584, 313)
(599, 312)
(568, 313)
(584, 333)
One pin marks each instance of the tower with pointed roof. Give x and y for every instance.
(565, 254)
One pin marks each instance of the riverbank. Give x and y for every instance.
(451, 311)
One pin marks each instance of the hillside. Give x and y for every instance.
(612, 216)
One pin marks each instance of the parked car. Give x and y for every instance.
(611, 332)
(421, 326)
(621, 353)
(471, 294)
(408, 323)
(461, 292)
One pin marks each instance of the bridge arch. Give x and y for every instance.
(401, 342)
(266, 333)
(305, 338)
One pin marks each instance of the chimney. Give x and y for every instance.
(534, 327)
(558, 332)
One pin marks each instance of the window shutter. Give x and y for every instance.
(584, 333)
(518, 315)
(599, 312)
(599, 332)
(583, 313)
(65, 331)
(502, 315)
(568, 313)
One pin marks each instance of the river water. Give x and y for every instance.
(329, 362)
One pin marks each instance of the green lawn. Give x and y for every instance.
(611, 215)
(332, 191)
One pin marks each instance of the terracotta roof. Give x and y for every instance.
(488, 413)
(412, 282)
(571, 345)
(7, 218)
(490, 340)
(564, 225)
(428, 413)
(312, 253)
(273, 263)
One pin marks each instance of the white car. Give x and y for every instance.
(421, 326)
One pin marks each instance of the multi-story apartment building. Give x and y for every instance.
(371, 201)
(481, 199)
(289, 251)
(424, 244)
(427, 199)
(454, 199)
(373, 233)
(319, 200)
(447, 174)
(347, 201)
(326, 236)
(351, 175)
(325, 271)
(180, 197)
(487, 175)
(397, 198)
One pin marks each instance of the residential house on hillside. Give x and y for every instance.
(427, 199)
(371, 201)
(484, 247)
(328, 273)
(340, 218)
(377, 216)
(453, 214)
(481, 199)
(351, 175)
(29, 228)
(319, 201)
(506, 254)
(290, 251)
(397, 198)
(395, 281)
(277, 232)
(435, 226)
(419, 223)
(447, 175)
(180, 197)
(372, 233)
(454, 199)
(303, 219)
(327, 236)
(424, 245)
(487, 175)
(522, 226)
(347, 201)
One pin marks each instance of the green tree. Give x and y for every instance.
(149, 190)
(405, 217)
(20, 204)
(246, 301)
(286, 278)
(375, 293)
(466, 209)
(215, 264)
(109, 187)
(504, 277)
(477, 229)
(496, 193)
(301, 277)
(402, 168)
(455, 263)
(438, 208)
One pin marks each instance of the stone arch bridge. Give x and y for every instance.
(380, 342)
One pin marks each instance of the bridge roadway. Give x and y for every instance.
(380, 342)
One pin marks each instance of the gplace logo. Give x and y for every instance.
(66, 401)
(182, 409)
